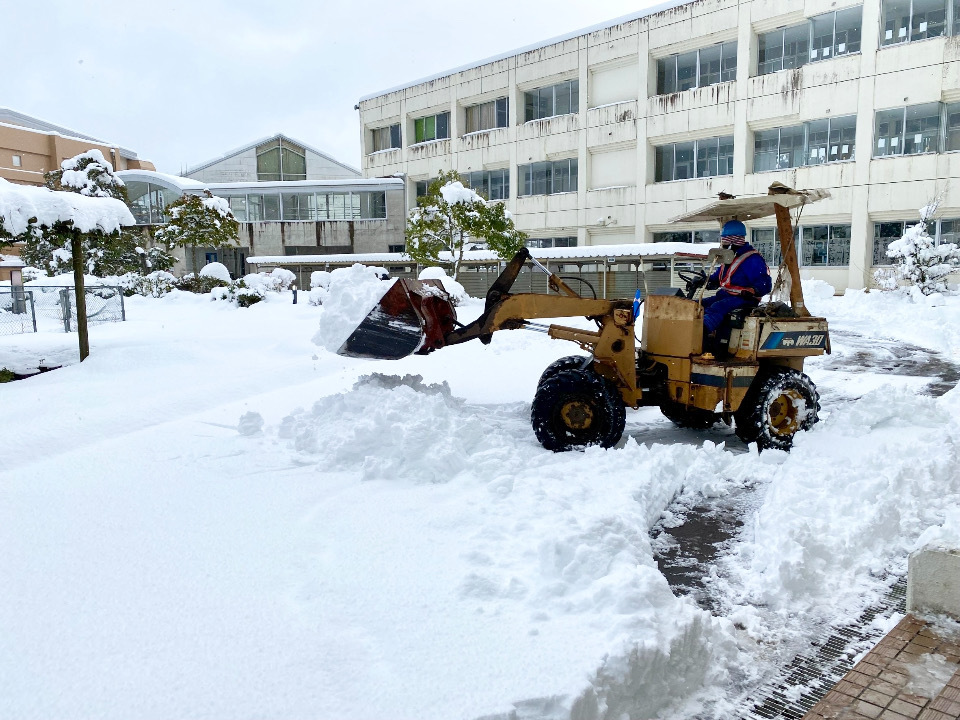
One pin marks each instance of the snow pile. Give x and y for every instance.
(19, 204)
(455, 192)
(815, 290)
(454, 289)
(319, 279)
(215, 270)
(352, 293)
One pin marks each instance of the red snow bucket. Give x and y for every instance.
(412, 317)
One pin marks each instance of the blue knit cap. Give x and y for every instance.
(734, 232)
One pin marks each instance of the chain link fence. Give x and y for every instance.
(17, 312)
(104, 304)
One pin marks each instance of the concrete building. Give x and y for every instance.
(29, 147)
(274, 159)
(604, 135)
(300, 217)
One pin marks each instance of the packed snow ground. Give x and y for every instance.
(215, 517)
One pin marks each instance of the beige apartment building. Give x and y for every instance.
(602, 136)
(29, 147)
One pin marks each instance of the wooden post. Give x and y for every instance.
(76, 248)
(788, 247)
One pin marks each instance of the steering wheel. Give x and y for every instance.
(694, 279)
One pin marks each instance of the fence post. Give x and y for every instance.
(123, 308)
(65, 308)
(33, 309)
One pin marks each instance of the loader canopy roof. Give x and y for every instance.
(752, 208)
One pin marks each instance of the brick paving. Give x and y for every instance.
(876, 687)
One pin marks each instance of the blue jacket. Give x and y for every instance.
(750, 278)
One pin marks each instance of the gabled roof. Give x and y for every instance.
(27, 122)
(261, 141)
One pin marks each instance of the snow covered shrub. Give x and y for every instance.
(216, 270)
(319, 282)
(252, 288)
(199, 221)
(156, 284)
(920, 261)
(194, 283)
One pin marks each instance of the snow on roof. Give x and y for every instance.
(19, 204)
(661, 7)
(261, 141)
(180, 183)
(11, 261)
(664, 250)
(14, 119)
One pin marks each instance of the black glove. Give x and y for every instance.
(713, 283)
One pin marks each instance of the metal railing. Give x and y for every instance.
(17, 312)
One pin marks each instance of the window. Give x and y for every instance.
(698, 158)
(211, 257)
(487, 116)
(821, 38)
(819, 245)
(396, 248)
(942, 231)
(431, 127)
(909, 20)
(304, 207)
(492, 184)
(17, 161)
(281, 160)
(907, 131)
(812, 143)
(548, 178)
(953, 125)
(148, 202)
(688, 236)
(551, 242)
(386, 138)
(825, 245)
(707, 66)
(561, 99)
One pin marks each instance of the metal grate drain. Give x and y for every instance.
(803, 683)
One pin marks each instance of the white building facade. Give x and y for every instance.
(603, 136)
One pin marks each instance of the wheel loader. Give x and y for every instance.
(755, 381)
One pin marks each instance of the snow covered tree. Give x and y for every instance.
(48, 247)
(450, 215)
(920, 261)
(199, 221)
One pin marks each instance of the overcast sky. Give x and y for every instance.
(183, 82)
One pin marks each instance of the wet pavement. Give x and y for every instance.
(689, 540)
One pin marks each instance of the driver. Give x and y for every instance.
(741, 283)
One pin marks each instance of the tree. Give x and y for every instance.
(199, 221)
(103, 254)
(450, 215)
(919, 259)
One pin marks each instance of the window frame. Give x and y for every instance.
(695, 162)
(805, 151)
(901, 138)
(528, 177)
(699, 65)
(532, 100)
(951, 10)
(832, 235)
(501, 110)
(486, 182)
(810, 24)
(421, 122)
(394, 137)
(937, 235)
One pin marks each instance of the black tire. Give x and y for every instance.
(576, 408)
(688, 417)
(779, 403)
(569, 362)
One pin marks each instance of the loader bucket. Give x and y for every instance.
(412, 317)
